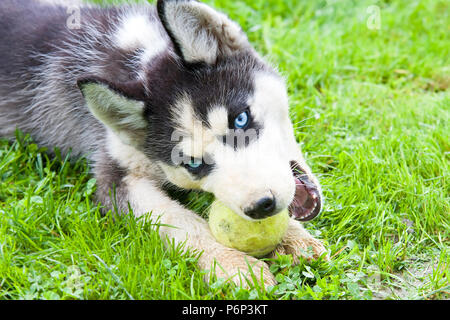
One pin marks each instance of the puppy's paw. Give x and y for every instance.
(299, 243)
(242, 269)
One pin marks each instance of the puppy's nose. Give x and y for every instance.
(263, 208)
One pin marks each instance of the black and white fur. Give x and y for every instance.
(118, 88)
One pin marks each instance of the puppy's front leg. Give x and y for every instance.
(298, 241)
(186, 226)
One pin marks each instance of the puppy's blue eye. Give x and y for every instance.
(241, 120)
(195, 164)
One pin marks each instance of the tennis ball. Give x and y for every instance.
(256, 238)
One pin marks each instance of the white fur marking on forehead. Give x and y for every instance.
(197, 137)
(183, 114)
(138, 32)
(218, 120)
(189, 127)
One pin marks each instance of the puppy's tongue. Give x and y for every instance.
(306, 204)
(301, 194)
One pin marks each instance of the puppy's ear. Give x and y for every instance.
(200, 34)
(120, 107)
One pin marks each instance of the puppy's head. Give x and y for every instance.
(212, 115)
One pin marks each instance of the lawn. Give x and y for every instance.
(369, 96)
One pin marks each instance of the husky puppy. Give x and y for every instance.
(158, 97)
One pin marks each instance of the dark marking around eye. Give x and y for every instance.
(199, 168)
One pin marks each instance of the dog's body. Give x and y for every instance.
(151, 95)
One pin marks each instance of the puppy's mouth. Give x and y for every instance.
(307, 202)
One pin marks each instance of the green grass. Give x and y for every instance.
(371, 108)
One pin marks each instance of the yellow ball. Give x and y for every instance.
(256, 238)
